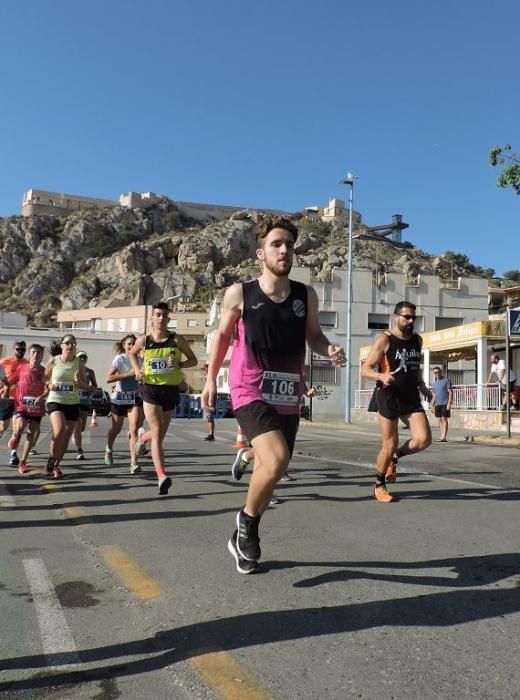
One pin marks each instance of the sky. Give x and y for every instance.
(269, 104)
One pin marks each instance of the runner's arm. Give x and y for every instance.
(185, 348)
(230, 314)
(315, 337)
(370, 367)
(133, 356)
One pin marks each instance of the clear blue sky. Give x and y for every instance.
(269, 103)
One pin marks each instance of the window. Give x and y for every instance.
(378, 321)
(321, 375)
(192, 323)
(442, 322)
(172, 323)
(96, 324)
(207, 323)
(328, 319)
(135, 324)
(122, 325)
(110, 324)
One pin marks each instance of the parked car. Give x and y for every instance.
(100, 400)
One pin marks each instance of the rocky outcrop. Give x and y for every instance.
(136, 256)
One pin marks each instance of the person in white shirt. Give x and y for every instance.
(507, 388)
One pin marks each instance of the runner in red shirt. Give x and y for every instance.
(30, 392)
(9, 366)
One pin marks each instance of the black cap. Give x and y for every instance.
(20, 344)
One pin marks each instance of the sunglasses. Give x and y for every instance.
(68, 342)
(19, 349)
(408, 317)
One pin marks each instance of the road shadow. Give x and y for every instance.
(435, 610)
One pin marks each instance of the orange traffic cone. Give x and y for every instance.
(241, 439)
(93, 420)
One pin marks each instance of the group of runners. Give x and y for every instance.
(270, 319)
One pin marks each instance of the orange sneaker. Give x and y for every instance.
(381, 494)
(391, 472)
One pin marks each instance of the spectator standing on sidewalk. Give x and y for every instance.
(442, 398)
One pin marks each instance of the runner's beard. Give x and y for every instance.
(408, 331)
(277, 271)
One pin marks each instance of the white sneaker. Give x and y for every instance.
(140, 449)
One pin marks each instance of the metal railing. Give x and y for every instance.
(466, 397)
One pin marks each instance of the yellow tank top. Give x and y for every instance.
(64, 377)
(155, 362)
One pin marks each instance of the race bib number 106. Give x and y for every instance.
(281, 388)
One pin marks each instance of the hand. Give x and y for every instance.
(311, 392)
(208, 396)
(337, 355)
(386, 379)
(173, 362)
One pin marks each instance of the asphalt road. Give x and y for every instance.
(107, 591)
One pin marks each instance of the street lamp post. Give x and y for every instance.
(349, 180)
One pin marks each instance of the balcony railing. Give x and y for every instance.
(466, 397)
(450, 283)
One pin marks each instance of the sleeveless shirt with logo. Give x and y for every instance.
(155, 362)
(268, 358)
(403, 359)
(31, 384)
(64, 379)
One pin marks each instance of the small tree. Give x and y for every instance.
(510, 175)
(513, 275)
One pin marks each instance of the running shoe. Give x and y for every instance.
(164, 485)
(13, 460)
(382, 495)
(109, 458)
(135, 469)
(49, 467)
(22, 468)
(210, 438)
(81, 455)
(139, 445)
(33, 451)
(13, 443)
(391, 471)
(240, 464)
(243, 565)
(288, 477)
(247, 541)
(142, 451)
(275, 501)
(58, 474)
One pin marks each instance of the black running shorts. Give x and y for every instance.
(392, 406)
(70, 411)
(7, 409)
(259, 417)
(27, 417)
(167, 397)
(442, 412)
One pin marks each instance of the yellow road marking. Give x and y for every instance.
(75, 511)
(131, 574)
(228, 677)
(51, 487)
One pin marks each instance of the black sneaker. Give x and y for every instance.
(243, 565)
(164, 485)
(248, 542)
(210, 438)
(240, 464)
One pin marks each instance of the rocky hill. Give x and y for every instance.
(140, 256)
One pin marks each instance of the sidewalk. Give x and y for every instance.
(455, 434)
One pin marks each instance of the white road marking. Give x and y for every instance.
(57, 640)
(5, 497)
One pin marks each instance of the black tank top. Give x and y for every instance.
(403, 359)
(275, 332)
